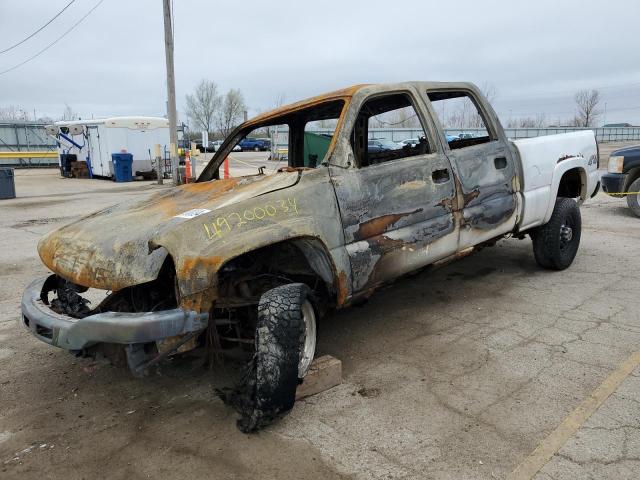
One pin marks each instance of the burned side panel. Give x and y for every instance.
(488, 183)
(378, 259)
(395, 217)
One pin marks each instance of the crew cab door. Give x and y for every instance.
(482, 162)
(395, 203)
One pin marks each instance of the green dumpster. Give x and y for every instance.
(315, 148)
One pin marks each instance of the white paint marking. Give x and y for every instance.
(196, 212)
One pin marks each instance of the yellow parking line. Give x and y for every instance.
(554, 442)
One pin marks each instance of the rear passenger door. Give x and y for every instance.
(483, 164)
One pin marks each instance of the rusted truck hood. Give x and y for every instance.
(109, 249)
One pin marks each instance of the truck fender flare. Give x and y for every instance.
(563, 166)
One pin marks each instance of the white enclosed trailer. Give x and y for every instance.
(95, 140)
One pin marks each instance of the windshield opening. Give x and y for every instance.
(299, 138)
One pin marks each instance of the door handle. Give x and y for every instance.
(440, 176)
(500, 162)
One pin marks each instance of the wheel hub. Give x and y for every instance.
(566, 233)
(308, 348)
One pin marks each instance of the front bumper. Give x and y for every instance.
(109, 327)
(613, 183)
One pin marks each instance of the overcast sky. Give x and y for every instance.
(536, 54)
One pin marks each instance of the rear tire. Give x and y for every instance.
(634, 200)
(555, 244)
(270, 387)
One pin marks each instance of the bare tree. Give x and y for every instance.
(489, 91)
(68, 113)
(587, 102)
(13, 113)
(475, 120)
(277, 103)
(539, 121)
(231, 112)
(203, 105)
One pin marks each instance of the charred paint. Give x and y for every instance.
(342, 287)
(377, 226)
(472, 195)
(490, 214)
(345, 94)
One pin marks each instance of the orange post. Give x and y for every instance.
(187, 164)
(226, 167)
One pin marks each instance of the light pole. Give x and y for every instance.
(171, 91)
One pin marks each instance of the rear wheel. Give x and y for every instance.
(633, 200)
(556, 243)
(285, 345)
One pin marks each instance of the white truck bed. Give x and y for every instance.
(543, 161)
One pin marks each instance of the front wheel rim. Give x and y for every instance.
(308, 347)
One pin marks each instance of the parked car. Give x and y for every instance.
(253, 262)
(216, 144)
(412, 142)
(623, 176)
(381, 145)
(255, 144)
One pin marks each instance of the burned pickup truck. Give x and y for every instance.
(252, 263)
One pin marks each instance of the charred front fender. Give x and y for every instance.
(110, 250)
(306, 212)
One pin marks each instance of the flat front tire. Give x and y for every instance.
(285, 344)
(555, 244)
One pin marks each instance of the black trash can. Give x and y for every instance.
(65, 163)
(7, 184)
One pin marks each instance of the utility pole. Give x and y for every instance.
(171, 91)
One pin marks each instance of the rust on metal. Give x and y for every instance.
(342, 94)
(377, 226)
(342, 288)
(472, 195)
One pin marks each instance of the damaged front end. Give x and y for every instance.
(140, 324)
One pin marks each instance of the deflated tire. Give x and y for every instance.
(269, 387)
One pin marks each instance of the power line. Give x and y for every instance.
(24, 40)
(54, 42)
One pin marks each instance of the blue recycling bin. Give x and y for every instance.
(122, 165)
